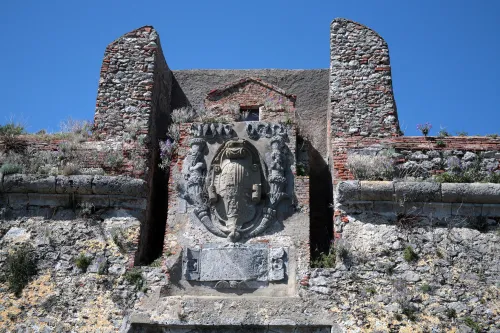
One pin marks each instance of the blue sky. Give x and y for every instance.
(445, 54)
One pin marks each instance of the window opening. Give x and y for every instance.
(249, 114)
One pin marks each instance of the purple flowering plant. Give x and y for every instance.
(424, 128)
(167, 148)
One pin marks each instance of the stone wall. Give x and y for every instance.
(43, 196)
(133, 100)
(66, 295)
(415, 255)
(419, 156)
(361, 96)
(125, 157)
(127, 83)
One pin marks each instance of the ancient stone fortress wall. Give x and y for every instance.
(418, 156)
(361, 96)
(252, 226)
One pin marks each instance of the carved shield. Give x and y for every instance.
(237, 181)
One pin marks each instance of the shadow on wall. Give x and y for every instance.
(321, 201)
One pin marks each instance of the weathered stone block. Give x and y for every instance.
(20, 183)
(417, 191)
(483, 193)
(437, 210)
(49, 200)
(129, 202)
(451, 192)
(18, 200)
(98, 201)
(4, 200)
(463, 209)
(119, 185)
(377, 190)
(358, 207)
(389, 209)
(471, 193)
(491, 210)
(348, 190)
(80, 184)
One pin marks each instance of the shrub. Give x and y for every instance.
(451, 313)
(8, 168)
(493, 136)
(371, 290)
(424, 128)
(70, 169)
(12, 129)
(20, 266)
(366, 167)
(118, 240)
(114, 159)
(409, 254)
(40, 162)
(472, 324)
(425, 288)
(167, 150)
(493, 177)
(134, 277)
(409, 311)
(440, 143)
(323, 260)
(82, 127)
(157, 262)
(183, 115)
(83, 262)
(462, 133)
(301, 169)
(443, 133)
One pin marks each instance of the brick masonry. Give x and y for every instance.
(252, 93)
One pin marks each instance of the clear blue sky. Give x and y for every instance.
(445, 55)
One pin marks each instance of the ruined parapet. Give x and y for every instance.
(361, 96)
(133, 106)
(134, 85)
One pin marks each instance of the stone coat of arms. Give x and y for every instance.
(237, 195)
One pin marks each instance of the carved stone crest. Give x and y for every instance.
(236, 185)
(239, 194)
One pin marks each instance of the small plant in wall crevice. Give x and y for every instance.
(424, 128)
(409, 254)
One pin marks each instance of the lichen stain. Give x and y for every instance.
(29, 305)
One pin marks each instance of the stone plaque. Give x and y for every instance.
(228, 264)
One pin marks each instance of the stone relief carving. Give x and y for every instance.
(231, 204)
(194, 171)
(235, 266)
(256, 130)
(212, 130)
